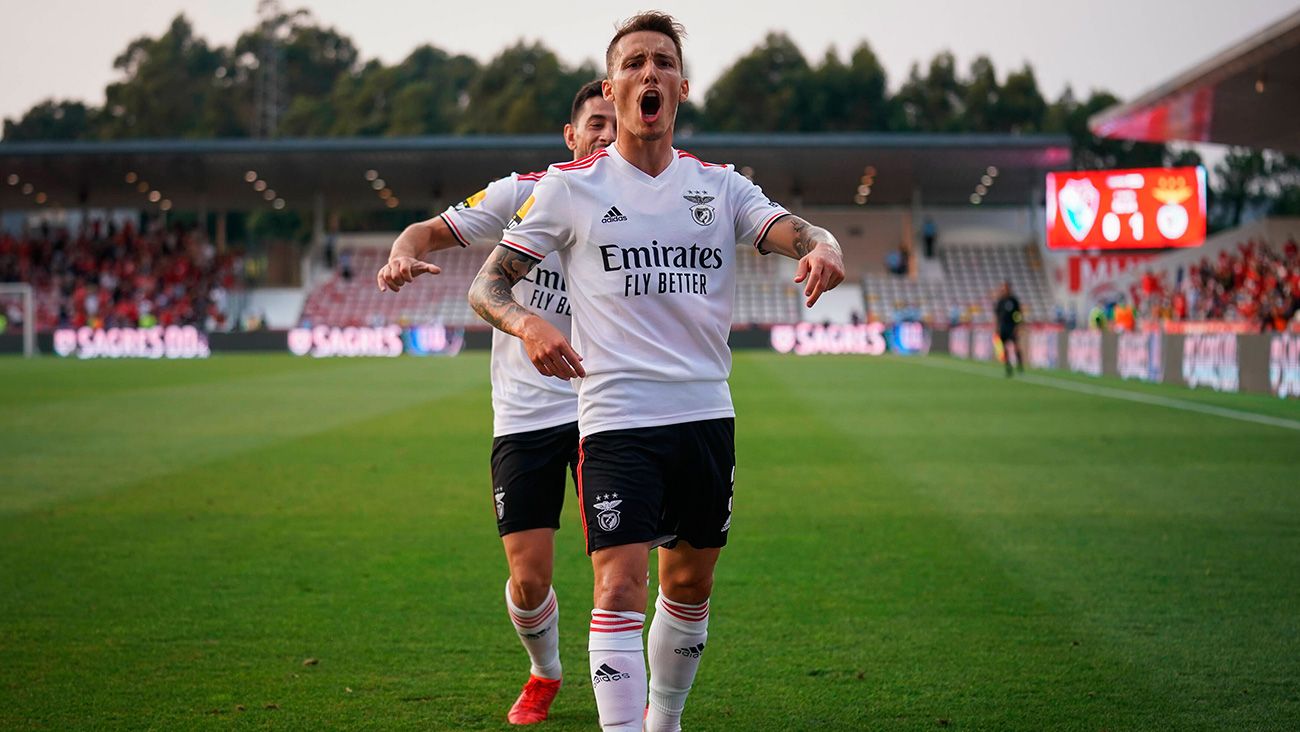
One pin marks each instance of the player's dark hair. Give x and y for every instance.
(651, 20)
(588, 90)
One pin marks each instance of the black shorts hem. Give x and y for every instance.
(514, 527)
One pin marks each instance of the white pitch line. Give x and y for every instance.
(1131, 396)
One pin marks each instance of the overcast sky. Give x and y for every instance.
(65, 48)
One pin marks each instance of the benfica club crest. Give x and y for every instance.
(608, 517)
(701, 212)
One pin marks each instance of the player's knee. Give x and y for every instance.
(618, 591)
(686, 585)
(530, 589)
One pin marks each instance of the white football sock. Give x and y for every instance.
(676, 641)
(618, 669)
(539, 631)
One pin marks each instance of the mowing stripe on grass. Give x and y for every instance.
(1132, 396)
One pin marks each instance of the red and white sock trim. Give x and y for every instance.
(683, 612)
(616, 622)
(533, 618)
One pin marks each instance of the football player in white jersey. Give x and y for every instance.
(535, 430)
(646, 236)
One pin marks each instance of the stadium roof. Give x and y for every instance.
(424, 172)
(1247, 95)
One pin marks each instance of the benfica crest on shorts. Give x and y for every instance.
(607, 519)
(701, 212)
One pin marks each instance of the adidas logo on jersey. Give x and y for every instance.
(608, 673)
(691, 652)
(613, 215)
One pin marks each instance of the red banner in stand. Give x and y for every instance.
(1143, 208)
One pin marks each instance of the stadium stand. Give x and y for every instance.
(1253, 283)
(763, 295)
(965, 291)
(350, 298)
(112, 276)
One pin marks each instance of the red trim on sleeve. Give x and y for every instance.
(455, 230)
(533, 176)
(522, 249)
(767, 226)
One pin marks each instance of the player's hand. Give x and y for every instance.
(402, 270)
(550, 351)
(820, 270)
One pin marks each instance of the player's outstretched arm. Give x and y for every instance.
(821, 263)
(492, 297)
(415, 241)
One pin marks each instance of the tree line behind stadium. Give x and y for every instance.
(327, 88)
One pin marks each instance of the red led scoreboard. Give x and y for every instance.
(1144, 208)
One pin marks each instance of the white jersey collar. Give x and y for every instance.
(639, 175)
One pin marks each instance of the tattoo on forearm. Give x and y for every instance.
(807, 237)
(491, 294)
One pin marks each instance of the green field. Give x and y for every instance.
(918, 544)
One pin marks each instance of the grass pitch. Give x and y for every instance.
(259, 542)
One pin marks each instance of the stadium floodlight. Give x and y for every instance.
(259, 186)
(13, 179)
(41, 198)
(28, 188)
(155, 196)
(372, 175)
(24, 290)
(378, 184)
(993, 171)
(986, 180)
(277, 204)
(250, 176)
(131, 177)
(975, 198)
(166, 204)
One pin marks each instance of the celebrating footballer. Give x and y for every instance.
(645, 236)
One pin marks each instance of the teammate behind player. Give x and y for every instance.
(647, 239)
(535, 431)
(1009, 316)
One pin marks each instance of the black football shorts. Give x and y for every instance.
(658, 484)
(528, 476)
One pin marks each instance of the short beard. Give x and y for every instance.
(651, 135)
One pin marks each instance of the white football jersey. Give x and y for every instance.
(522, 399)
(650, 264)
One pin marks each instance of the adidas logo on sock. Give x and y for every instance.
(608, 673)
(691, 652)
(612, 215)
(535, 636)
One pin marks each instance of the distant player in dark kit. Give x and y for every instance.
(1009, 316)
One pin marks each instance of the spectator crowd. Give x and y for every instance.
(1254, 284)
(115, 276)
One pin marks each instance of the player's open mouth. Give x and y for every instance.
(650, 106)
